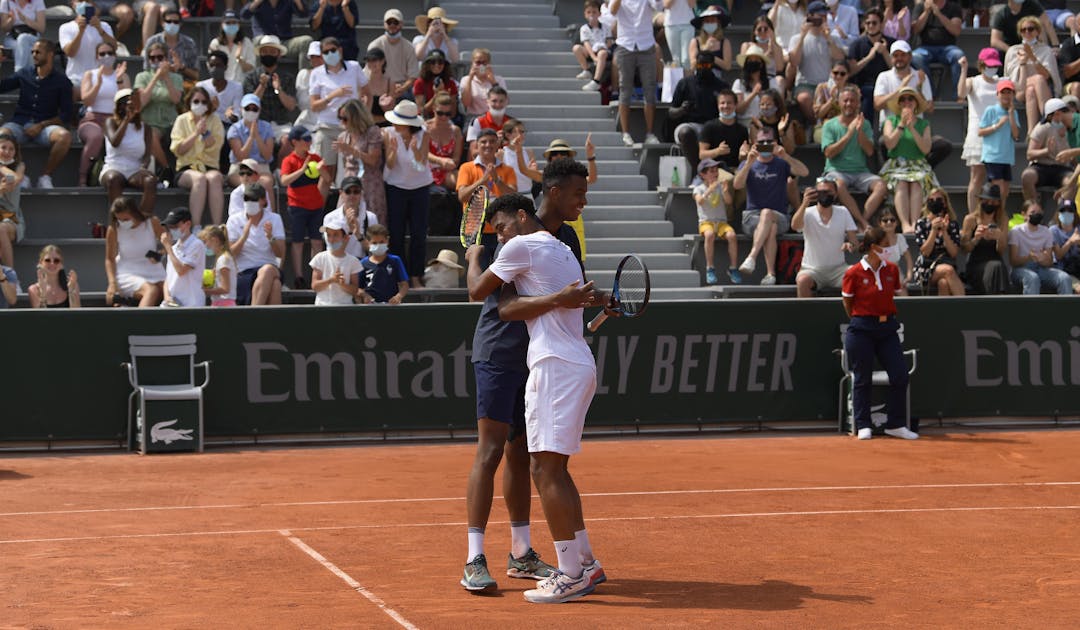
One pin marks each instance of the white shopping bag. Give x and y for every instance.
(672, 74)
(674, 171)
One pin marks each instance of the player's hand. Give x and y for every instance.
(576, 295)
(474, 252)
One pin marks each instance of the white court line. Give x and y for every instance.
(226, 506)
(601, 519)
(359, 588)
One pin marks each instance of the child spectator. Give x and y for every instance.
(443, 271)
(12, 174)
(713, 198)
(223, 290)
(132, 261)
(999, 128)
(335, 275)
(594, 48)
(185, 262)
(384, 279)
(257, 241)
(127, 159)
(895, 245)
(56, 287)
(300, 173)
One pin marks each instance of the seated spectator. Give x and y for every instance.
(352, 209)
(1069, 60)
(635, 54)
(182, 52)
(713, 198)
(384, 278)
(788, 18)
(9, 287)
(361, 145)
(301, 172)
(486, 169)
(79, 39)
(678, 30)
(986, 243)
(896, 19)
(185, 261)
(247, 172)
(937, 235)
(99, 88)
(724, 139)
(380, 89)
(828, 231)
(774, 115)
(887, 85)
(337, 19)
(12, 173)
(150, 13)
(443, 271)
(402, 66)
(868, 56)
(1048, 151)
(274, 17)
(772, 50)
(694, 103)
(895, 245)
(335, 275)
(480, 80)
(197, 138)
(276, 89)
(1004, 22)
(434, 34)
(1066, 239)
(594, 51)
(332, 85)
(1058, 15)
(907, 173)
(257, 243)
(43, 108)
(239, 49)
(224, 94)
(436, 76)
(223, 291)
(710, 37)
(810, 56)
(1032, 65)
(998, 130)
(1032, 252)
(843, 21)
(937, 24)
(252, 138)
(161, 91)
(754, 81)
(127, 159)
(446, 142)
(408, 179)
(130, 239)
(827, 97)
(764, 175)
(494, 119)
(22, 22)
(846, 141)
(56, 287)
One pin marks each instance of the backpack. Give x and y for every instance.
(788, 261)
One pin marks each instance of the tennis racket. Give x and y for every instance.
(472, 221)
(630, 294)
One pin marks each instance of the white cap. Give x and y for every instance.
(1053, 105)
(900, 45)
(334, 221)
(831, 3)
(393, 13)
(314, 49)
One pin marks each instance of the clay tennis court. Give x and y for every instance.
(957, 529)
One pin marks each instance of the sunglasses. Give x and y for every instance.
(245, 173)
(251, 108)
(839, 74)
(1029, 29)
(157, 57)
(176, 21)
(710, 168)
(392, 22)
(199, 102)
(353, 191)
(443, 114)
(871, 22)
(107, 53)
(479, 62)
(53, 260)
(888, 220)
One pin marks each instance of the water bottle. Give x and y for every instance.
(675, 181)
(975, 20)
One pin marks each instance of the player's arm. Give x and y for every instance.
(514, 307)
(481, 282)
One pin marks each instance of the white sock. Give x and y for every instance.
(519, 538)
(569, 560)
(476, 543)
(584, 548)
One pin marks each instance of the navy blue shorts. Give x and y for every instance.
(245, 279)
(500, 395)
(998, 171)
(305, 224)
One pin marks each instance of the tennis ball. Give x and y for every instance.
(208, 278)
(312, 170)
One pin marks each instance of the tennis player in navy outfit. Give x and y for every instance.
(868, 289)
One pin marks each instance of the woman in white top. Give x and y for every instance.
(895, 244)
(408, 178)
(788, 17)
(980, 92)
(678, 31)
(131, 272)
(753, 83)
(1032, 65)
(434, 34)
(98, 89)
(27, 25)
(126, 154)
(234, 42)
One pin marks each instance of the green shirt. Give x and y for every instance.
(851, 158)
(906, 147)
(1074, 133)
(160, 112)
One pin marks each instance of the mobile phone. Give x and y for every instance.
(992, 226)
(89, 12)
(153, 255)
(10, 177)
(764, 145)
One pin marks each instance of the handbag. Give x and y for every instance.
(672, 76)
(674, 170)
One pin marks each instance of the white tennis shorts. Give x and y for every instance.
(557, 397)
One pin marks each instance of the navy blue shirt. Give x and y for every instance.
(268, 19)
(9, 273)
(334, 25)
(380, 280)
(39, 98)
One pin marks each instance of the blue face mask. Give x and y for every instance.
(765, 154)
(1057, 124)
(709, 28)
(231, 29)
(727, 116)
(334, 247)
(380, 249)
(210, 253)
(332, 58)
(1066, 219)
(176, 234)
(171, 29)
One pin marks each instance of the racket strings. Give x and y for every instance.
(632, 290)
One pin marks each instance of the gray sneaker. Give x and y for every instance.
(477, 577)
(529, 567)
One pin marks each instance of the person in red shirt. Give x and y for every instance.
(435, 76)
(300, 173)
(868, 289)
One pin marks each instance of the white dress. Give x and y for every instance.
(133, 268)
(982, 95)
(127, 158)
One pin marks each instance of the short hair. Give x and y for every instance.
(592, 3)
(220, 55)
(511, 125)
(874, 11)
(1028, 20)
(330, 41)
(51, 47)
(487, 132)
(852, 88)
(482, 52)
(726, 92)
(155, 45)
(377, 230)
(510, 204)
(204, 92)
(557, 172)
(498, 90)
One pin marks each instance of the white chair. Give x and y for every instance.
(845, 412)
(162, 368)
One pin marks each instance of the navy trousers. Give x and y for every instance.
(866, 339)
(407, 211)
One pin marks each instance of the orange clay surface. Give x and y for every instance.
(959, 530)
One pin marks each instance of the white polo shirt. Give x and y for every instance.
(322, 82)
(256, 251)
(186, 290)
(86, 58)
(634, 20)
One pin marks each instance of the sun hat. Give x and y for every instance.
(434, 13)
(712, 11)
(270, 41)
(405, 113)
(920, 102)
(559, 145)
(753, 50)
(124, 93)
(447, 257)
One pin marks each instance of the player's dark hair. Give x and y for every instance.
(873, 235)
(557, 172)
(510, 203)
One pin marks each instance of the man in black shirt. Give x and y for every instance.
(275, 88)
(694, 103)
(868, 56)
(1069, 60)
(937, 26)
(724, 139)
(1003, 33)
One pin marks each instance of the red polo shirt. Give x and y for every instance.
(872, 289)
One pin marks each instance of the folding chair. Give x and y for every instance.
(845, 413)
(165, 408)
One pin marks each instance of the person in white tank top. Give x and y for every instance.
(407, 178)
(126, 155)
(131, 273)
(98, 89)
(980, 92)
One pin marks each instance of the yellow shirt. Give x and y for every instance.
(206, 152)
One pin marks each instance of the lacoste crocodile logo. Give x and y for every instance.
(161, 432)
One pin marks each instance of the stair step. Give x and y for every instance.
(603, 153)
(466, 31)
(655, 262)
(495, 22)
(619, 183)
(543, 97)
(526, 44)
(574, 112)
(680, 294)
(627, 229)
(524, 72)
(602, 139)
(569, 123)
(459, 10)
(653, 245)
(565, 83)
(658, 278)
(623, 213)
(533, 59)
(624, 198)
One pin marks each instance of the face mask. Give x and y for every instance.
(251, 208)
(176, 234)
(81, 8)
(497, 113)
(396, 35)
(332, 58)
(268, 61)
(198, 109)
(127, 224)
(709, 28)
(989, 208)
(762, 40)
(990, 73)
(7, 162)
(765, 154)
(230, 29)
(1066, 219)
(936, 206)
(825, 199)
(210, 253)
(380, 249)
(1035, 218)
(217, 73)
(1031, 42)
(250, 117)
(171, 29)
(768, 111)
(727, 116)
(335, 246)
(108, 61)
(1057, 125)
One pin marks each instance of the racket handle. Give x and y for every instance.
(596, 321)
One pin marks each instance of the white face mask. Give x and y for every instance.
(380, 249)
(497, 113)
(1031, 42)
(252, 208)
(127, 224)
(990, 73)
(7, 162)
(250, 117)
(198, 109)
(108, 61)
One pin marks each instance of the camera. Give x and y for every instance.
(814, 20)
(764, 146)
(153, 255)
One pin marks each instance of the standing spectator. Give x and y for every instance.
(1004, 22)
(764, 176)
(361, 144)
(22, 22)
(446, 143)
(999, 129)
(1032, 65)
(160, 90)
(257, 243)
(713, 198)
(401, 64)
(337, 19)
(677, 30)
(435, 76)
(79, 39)
(380, 88)
(636, 53)
(43, 108)
(846, 141)
(710, 37)
(99, 88)
(937, 234)
(754, 81)
(237, 46)
(765, 38)
(434, 34)
(197, 138)
(828, 232)
(495, 118)
(724, 139)
(274, 17)
(981, 92)
(868, 56)
(223, 292)
(476, 85)
(810, 57)
(895, 244)
(907, 173)
(384, 279)
(695, 100)
(896, 19)
(332, 85)
(843, 21)
(12, 173)
(408, 179)
(251, 138)
(595, 47)
(984, 237)
(827, 97)
(185, 260)
(302, 172)
(303, 82)
(130, 239)
(126, 156)
(56, 287)
(335, 275)
(938, 24)
(1067, 239)
(276, 89)
(224, 94)
(1047, 145)
(788, 16)
(183, 54)
(1032, 252)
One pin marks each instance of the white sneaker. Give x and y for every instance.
(594, 572)
(748, 266)
(44, 182)
(651, 139)
(560, 588)
(628, 140)
(769, 279)
(25, 185)
(591, 86)
(902, 432)
(866, 434)
(584, 74)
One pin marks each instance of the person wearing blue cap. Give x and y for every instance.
(251, 138)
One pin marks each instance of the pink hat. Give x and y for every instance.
(1005, 84)
(989, 56)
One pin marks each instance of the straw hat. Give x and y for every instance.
(434, 13)
(559, 146)
(920, 102)
(270, 41)
(753, 50)
(405, 113)
(122, 93)
(447, 257)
